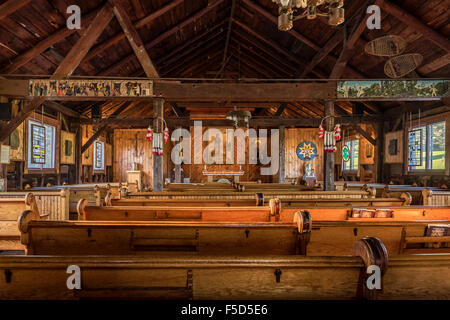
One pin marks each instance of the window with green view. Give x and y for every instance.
(353, 162)
(431, 154)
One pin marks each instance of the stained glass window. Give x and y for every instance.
(352, 164)
(41, 145)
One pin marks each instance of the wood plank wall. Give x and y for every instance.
(296, 167)
(251, 171)
(130, 146)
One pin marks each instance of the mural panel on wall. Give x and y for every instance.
(90, 88)
(392, 89)
(67, 147)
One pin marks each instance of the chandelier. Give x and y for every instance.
(309, 9)
(239, 116)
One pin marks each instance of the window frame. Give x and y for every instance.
(349, 142)
(39, 119)
(428, 143)
(94, 156)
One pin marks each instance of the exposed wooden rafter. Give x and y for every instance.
(227, 41)
(103, 126)
(349, 45)
(415, 23)
(85, 42)
(11, 6)
(43, 45)
(134, 39)
(113, 69)
(101, 48)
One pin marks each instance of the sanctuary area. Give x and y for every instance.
(224, 150)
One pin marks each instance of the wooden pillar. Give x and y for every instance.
(158, 127)
(282, 171)
(379, 158)
(329, 156)
(78, 155)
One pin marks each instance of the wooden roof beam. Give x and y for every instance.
(332, 43)
(364, 133)
(100, 48)
(43, 45)
(280, 110)
(11, 6)
(85, 42)
(16, 121)
(416, 24)
(349, 44)
(61, 108)
(116, 66)
(103, 126)
(295, 34)
(227, 41)
(134, 39)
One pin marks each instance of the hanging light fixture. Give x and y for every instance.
(239, 116)
(292, 10)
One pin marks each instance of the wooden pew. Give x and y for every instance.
(91, 192)
(127, 238)
(54, 204)
(10, 211)
(334, 229)
(219, 195)
(436, 197)
(228, 277)
(259, 200)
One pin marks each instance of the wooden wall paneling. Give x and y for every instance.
(130, 146)
(88, 154)
(108, 155)
(365, 147)
(294, 166)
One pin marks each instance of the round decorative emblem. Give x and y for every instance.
(345, 153)
(306, 151)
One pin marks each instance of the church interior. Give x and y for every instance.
(224, 149)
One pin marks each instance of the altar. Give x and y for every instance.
(212, 173)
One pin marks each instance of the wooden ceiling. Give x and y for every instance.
(228, 39)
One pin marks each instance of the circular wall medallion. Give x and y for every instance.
(306, 151)
(345, 153)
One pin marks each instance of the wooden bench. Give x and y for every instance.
(10, 211)
(333, 228)
(249, 195)
(405, 200)
(54, 204)
(436, 197)
(91, 192)
(228, 277)
(127, 238)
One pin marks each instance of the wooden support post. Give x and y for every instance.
(379, 152)
(282, 171)
(78, 155)
(329, 156)
(19, 172)
(158, 127)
